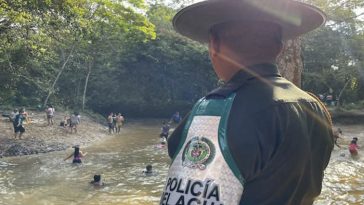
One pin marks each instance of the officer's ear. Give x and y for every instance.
(214, 44)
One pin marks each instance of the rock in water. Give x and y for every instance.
(16, 150)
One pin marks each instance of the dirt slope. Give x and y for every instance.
(41, 138)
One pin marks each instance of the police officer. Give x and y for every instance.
(258, 139)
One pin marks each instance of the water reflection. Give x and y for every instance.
(47, 179)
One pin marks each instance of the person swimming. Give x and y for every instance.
(77, 155)
(163, 141)
(148, 170)
(97, 180)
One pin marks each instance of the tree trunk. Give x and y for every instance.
(290, 62)
(341, 93)
(86, 82)
(50, 91)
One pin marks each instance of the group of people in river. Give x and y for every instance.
(115, 122)
(77, 156)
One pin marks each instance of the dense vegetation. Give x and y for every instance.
(109, 55)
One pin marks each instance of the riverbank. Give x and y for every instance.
(41, 138)
(347, 116)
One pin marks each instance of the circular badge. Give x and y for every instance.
(198, 153)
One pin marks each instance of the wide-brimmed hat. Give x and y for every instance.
(295, 18)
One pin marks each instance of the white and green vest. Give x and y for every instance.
(203, 171)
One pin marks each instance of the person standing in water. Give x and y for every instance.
(77, 155)
(176, 118)
(353, 147)
(164, 130)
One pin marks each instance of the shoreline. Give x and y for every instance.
(347, 117)
(41, 138)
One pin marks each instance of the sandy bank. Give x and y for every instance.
(41, 138)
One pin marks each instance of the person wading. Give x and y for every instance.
(258, 139)
(77, 155)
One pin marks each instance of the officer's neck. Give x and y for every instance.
(227, 67)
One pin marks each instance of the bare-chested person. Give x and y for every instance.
(110, 122)
(119, 122)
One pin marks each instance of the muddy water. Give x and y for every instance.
(47, 179)
(344, 177)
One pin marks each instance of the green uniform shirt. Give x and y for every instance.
(278, 135)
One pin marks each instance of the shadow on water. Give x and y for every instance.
(47, 179)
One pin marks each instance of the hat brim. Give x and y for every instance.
(295, 18)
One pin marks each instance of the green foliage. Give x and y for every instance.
(333, 55)
(157, 77)
(37, 36)
(137, 64)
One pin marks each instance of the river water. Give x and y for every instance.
(47, 180)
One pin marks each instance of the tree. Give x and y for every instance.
(290, 61)
(332, 59)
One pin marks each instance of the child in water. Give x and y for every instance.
(97, 180)
(353, 147)
(77, 155)
(148, 170)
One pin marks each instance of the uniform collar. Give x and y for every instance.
(241, 77)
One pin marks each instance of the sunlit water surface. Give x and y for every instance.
(47, 180)
(344, 176)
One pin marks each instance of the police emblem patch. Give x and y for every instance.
(198, 153)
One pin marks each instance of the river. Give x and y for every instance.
(47, 180)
